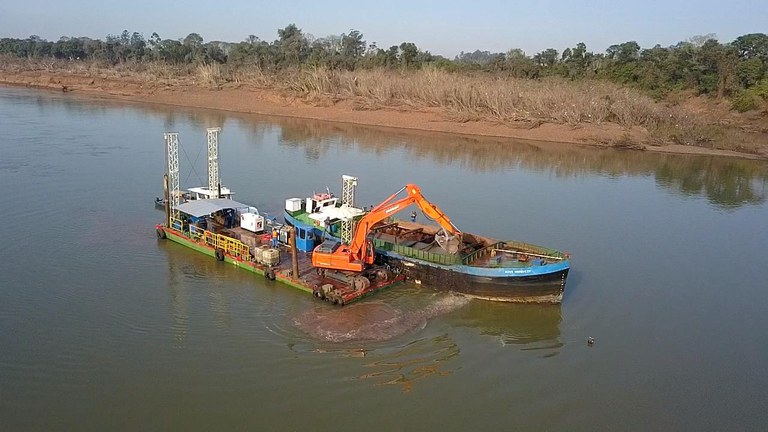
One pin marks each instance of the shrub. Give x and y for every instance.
(751, 98)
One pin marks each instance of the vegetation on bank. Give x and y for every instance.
(627, 85)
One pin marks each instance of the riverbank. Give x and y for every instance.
(247, 97)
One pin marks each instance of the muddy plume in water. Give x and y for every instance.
(371, 321)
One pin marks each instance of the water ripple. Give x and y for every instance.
(371, 321)
(417, 360)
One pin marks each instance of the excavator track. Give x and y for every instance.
(341, 288)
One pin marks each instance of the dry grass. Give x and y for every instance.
(486, 97)
(254, 76)
(209, 75)
(460, 97)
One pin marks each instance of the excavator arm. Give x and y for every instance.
(360, 250)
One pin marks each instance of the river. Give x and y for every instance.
(103, 327)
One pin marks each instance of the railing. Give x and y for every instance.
(407, 251)
(195, 232)
(233, 247)
(469, 259)
(532, 250)
(177, 224)
(229, 245)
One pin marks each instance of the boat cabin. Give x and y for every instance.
(222, 213)
(317, 202)
(198, 193)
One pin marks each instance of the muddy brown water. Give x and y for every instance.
(102, 327)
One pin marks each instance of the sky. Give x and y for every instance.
(442, 27)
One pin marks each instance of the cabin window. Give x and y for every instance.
(302, 235)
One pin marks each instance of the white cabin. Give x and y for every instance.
(202, 192)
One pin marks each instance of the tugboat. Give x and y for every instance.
(323, 216)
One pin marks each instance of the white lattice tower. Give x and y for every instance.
(213, 161)
(172, 144)
(348, 184)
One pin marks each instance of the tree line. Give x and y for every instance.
(737, 70)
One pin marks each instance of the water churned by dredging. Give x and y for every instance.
(372, 321)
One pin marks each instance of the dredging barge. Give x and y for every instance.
(473, 265)
(348, 253)
(235, 233)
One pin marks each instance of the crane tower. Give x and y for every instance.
(172, 145)
(213, 162)
(348, 184)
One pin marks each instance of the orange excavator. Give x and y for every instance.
(359, 255)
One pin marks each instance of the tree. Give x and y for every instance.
(137, 46)
(352, 48)
(720, 62)
(546, 58)
(173, 51)
(653, 72)
(754, 45)
(292, 46)
(752, 48)
(624, 53)
(699, 40)
(69, 48)
(154, 40)
(477, 56)
(212, 52)
(408, 53)
(749, 72)
(194, 47)
(576, 60)
(518, 64)
(193, 40)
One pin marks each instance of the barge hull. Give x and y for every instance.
(544, 288)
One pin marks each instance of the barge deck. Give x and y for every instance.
(236, 246)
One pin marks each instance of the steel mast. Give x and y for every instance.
(214, 185)
(348, 184)
(174, 192)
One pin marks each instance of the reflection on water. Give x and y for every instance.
(178, 303)
(527, 327)
(188, 268)
(726, 182)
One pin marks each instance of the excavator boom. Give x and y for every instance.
(360, 252)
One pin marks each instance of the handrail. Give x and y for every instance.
(229, 245)
(480, 252)
(176, 224)
(196, 232)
